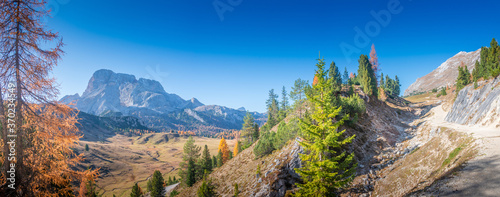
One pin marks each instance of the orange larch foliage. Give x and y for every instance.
(315, 81)
(374, 60)
(224, 149)
(236, 147)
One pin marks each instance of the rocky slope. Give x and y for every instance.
(113, 94)
(479, 106)
(445, 74)
(377, 132)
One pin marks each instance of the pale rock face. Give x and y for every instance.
(116, 92)
(445, 74)
(479, 106)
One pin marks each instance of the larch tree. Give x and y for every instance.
(224, 149)
(43, 129)
(236, 149)
(188, 165)
(374, 61)
(326, 165)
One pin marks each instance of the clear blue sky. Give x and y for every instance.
(260, 45)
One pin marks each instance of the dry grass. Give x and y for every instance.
(242, 170)
(124, 161)
(430, 162)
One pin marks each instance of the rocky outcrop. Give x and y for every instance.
(444, 75)
(479, 106)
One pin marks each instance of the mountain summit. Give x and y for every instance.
(445, 74)
(117, 94)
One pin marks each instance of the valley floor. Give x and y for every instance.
(479, 176)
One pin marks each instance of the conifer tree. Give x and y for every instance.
(345, 77)
(236, 190)
(156, 185)
(366, 76)
(248, 129)
(136, 191)
(374, 61)
(45, 129)
(493, 59)
(219, 159)
(206, 189)
(188, 168)
(206, 160)
(298, 94)
(214, 162)
(334, 74)
(256, 131)
(284, 103)
(326, 165)
(224, 149)
(397, 85)
(381, 83)
(236, 149)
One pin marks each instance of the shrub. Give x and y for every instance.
(434, 90)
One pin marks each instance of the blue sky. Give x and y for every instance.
(259, 45)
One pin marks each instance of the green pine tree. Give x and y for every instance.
(214, 162)
(236, 190)
(345, 77)
(326, 165)
(298, 94)
(334, 74)
(206, 189)
(156, 185)
(219, 159)
(86, 147)
(381, 83)
(366, 76)
(136, 191)
(284, 103)
(248, 128)
(206, 160)
(189, 169)
(493, 59)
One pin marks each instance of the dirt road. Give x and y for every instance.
(481, 175)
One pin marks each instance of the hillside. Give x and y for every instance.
(110, 94)
(445, 74)
(378, 132)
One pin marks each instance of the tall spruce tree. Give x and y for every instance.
(493, 59)
(206, 160)
(327, 166)
(284, 103)
(397, 89)
(157, 189)
(345, 77)
(366, 76)
(334, 74)
(248, 129)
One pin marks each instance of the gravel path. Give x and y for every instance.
(481, 175)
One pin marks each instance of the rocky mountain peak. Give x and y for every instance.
(445, 74)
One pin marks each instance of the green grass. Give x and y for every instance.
(452, 156)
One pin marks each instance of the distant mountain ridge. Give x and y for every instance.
(117, 94)
(445, 74)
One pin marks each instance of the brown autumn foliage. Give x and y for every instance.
(374, 60)
(224, 149)
(45, 129)
(351, 75)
